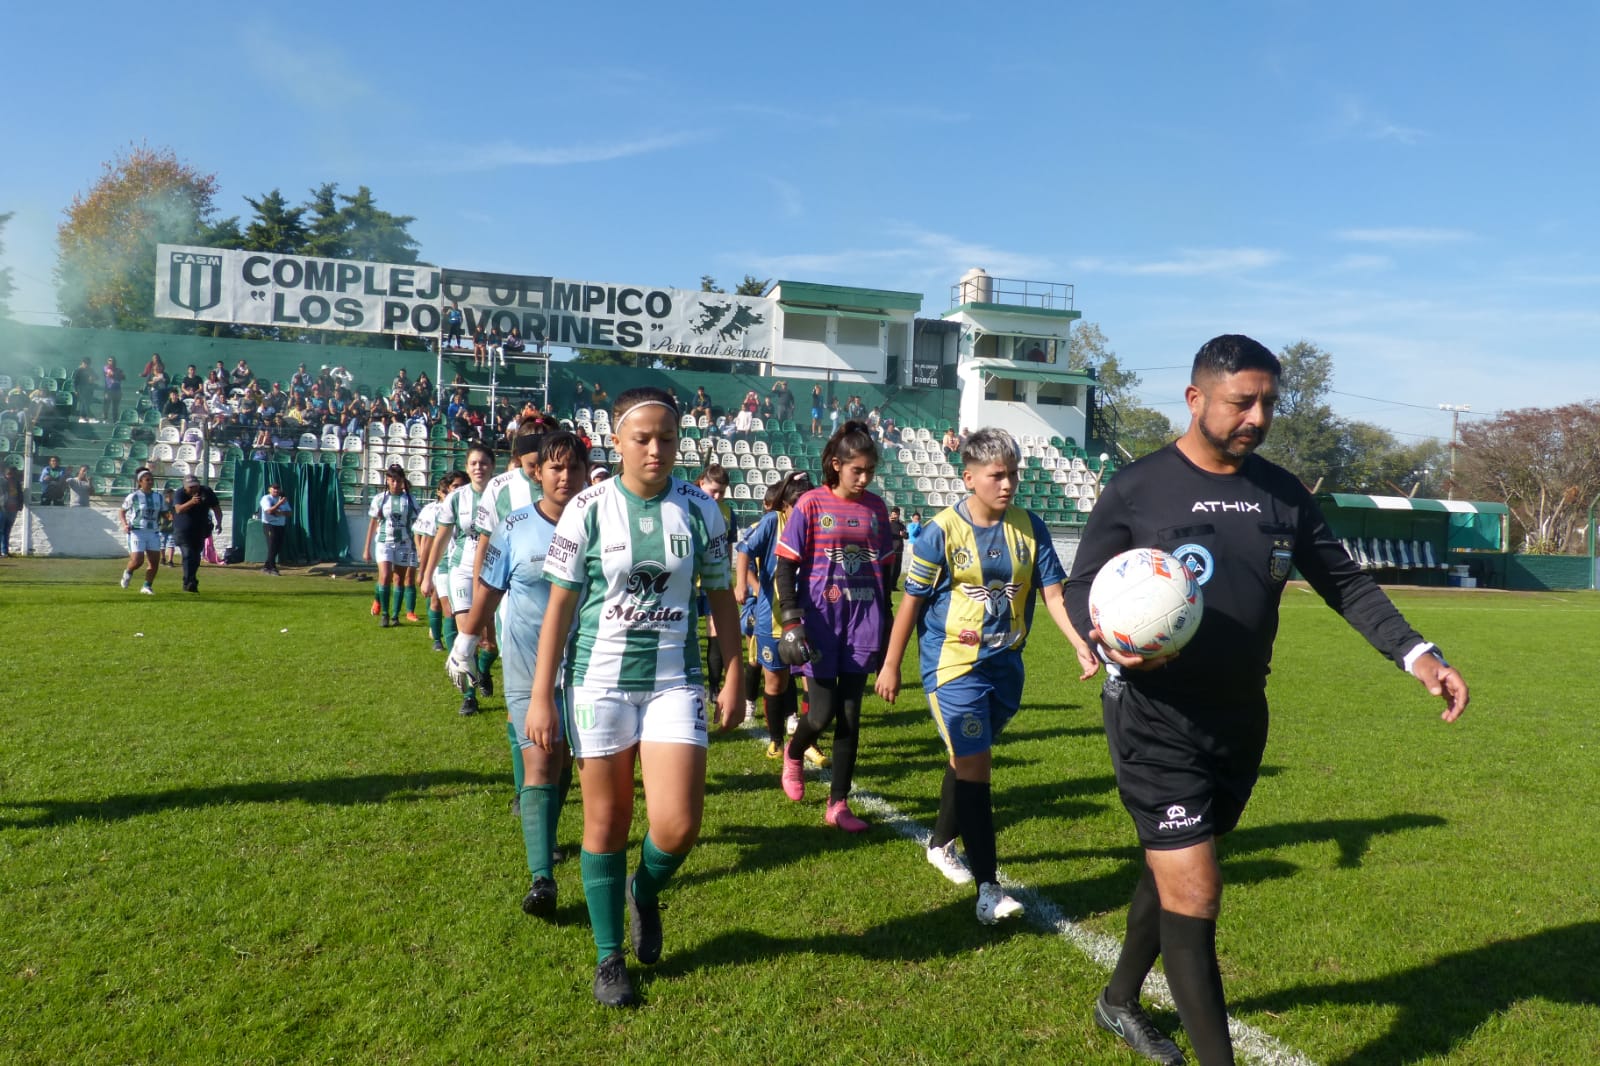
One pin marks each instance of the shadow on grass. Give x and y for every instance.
(1353, 837)
(939, 932)
(1442, 1003)
(334, 791)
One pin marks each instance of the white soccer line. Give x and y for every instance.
(1101, 948)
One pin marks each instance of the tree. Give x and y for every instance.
(277, 227)
(1143, 430)
(105, 273)
(375, 235)
(1087, 349)
(1306, 436)
(6, 285)
(1544, 463)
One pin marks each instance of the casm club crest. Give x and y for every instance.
(194, 280)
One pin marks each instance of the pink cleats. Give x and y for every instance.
(794, 781)
(840, 816)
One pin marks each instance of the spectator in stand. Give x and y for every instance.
(241, 376)
(580, 395)
(174, 412)
(833, 415)
(496, 349)
(423, 389)
(275, 510)
(768, 410)
(300, 382)
(898, 531)
(111, 398)
(479, 431)
(818, 409)
(513, 344)
(53, 484)
(152, 367)
(602, 399)
(189, 384)
(457, 406)
(702, 404)
(275, 402)
(400, 389)
(12, 497)
(951, 444)
(249, 405)
(744, 421)
(752, 402)
(480, 348)
(156, 380)
(914, 526)
(82, 388)
(875, 422)
(216, 385)
(453, 320)
(782, 401)
(261, 450)
(599, 474)
(891, 432)
(855, 410)
(78, 488)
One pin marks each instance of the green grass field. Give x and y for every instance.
(258, 832)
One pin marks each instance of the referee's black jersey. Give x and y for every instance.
(1241, 533)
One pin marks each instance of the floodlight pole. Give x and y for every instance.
(1455, 410)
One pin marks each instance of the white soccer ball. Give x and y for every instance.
(1145, 602)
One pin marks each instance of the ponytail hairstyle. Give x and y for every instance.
(850, 441)
(783, 493)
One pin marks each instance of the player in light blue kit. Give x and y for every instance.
(511, 577)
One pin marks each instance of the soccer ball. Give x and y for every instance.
(1145, 602)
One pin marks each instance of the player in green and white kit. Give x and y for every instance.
(453, 549)
(391, 515)
(424, 529)
(631, 549)
(511, 565)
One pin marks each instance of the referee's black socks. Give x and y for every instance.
(1189, 950)
(1141, 943)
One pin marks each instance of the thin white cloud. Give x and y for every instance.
(787, 197)
(504, 154)
(1187, 263)
(317, 77)
(1356, 264)
(1356, 119)
(926, 256)
(1404, 235)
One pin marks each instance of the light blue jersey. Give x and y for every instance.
(513, 563)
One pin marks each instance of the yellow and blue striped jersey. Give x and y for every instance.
(981, 584)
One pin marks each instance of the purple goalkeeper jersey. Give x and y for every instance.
(841, 550)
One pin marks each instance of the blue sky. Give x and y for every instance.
(1411, 186)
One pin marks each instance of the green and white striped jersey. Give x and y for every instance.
(455, 521)
(427, 523)
(395, 515)
(636, 560)
(506, 492)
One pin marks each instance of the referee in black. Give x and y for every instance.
(1187, 733)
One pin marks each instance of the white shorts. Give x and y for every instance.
(441, 582)
(461, 587)
(396, 554)
(602, 722)
(143, 540)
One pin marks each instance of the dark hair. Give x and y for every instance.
(562, 442)
(849, 441)
(396, 470)
(632, 398)
(788, 489)
(1231, 353)
(479, 446)
(714, 474)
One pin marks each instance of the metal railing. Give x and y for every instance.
(983, 289)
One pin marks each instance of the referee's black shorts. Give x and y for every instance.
(1184, 774)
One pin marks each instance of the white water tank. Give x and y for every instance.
(977, 287)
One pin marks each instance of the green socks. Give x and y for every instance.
(435, 623)
(486, 658)
(383, 600)
(604, 882)
(411, 599)
(656, 868)
(450, 630)
(516, 755)
(539, 814)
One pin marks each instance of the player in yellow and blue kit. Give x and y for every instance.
(976, 572)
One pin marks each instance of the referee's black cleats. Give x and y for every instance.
(612, 986)
(644, 926)
(541, 898)
(1136, 1029)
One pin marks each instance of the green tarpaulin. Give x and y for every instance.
(316, 532)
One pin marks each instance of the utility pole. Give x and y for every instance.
(1455, 410)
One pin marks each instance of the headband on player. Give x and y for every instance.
(641, 405)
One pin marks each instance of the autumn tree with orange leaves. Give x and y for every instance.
(105, 273)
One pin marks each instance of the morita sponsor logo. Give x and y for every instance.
(1225, 506)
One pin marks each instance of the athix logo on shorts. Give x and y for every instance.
(647, 583)
(1179, 818)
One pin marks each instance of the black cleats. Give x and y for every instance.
(469, 707)
(644, 927)
(485, 683)
(612, 986)
(438, 645)
(383, 621)
(541, 898)
(1136, 1029)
